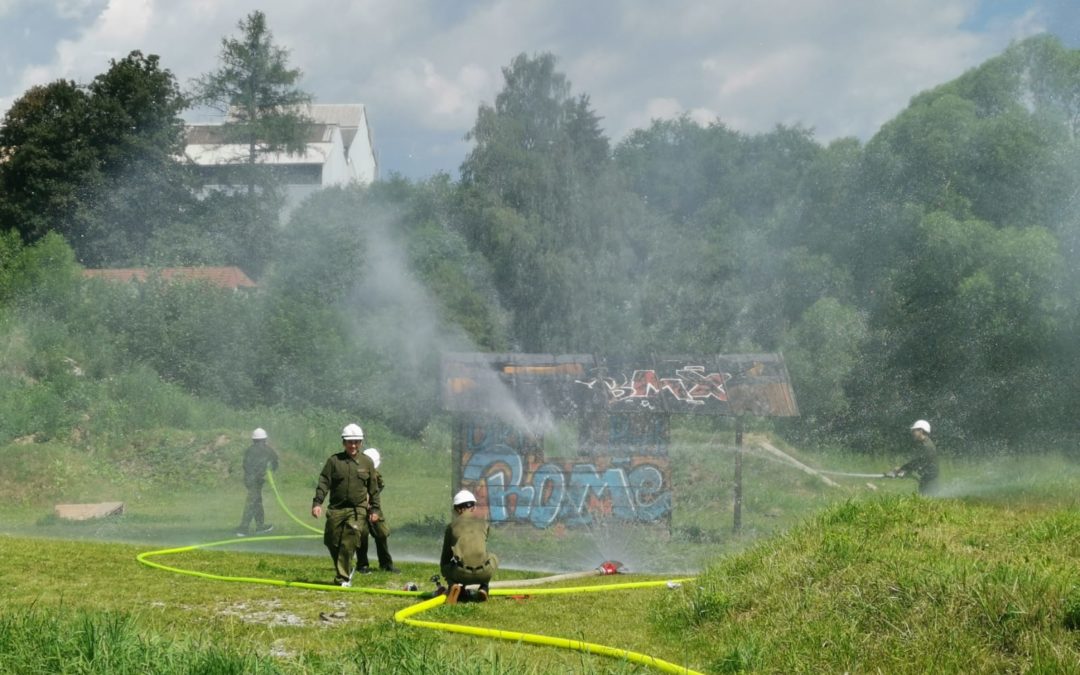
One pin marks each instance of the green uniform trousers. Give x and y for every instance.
(380, 532)
(460, 574)
(344, 528)
(253, 507)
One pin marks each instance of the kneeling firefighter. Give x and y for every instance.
(465, 558)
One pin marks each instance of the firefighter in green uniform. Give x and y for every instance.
(379, 530)
(348, 482)
(257, 457)
(924, 465)
(465, 558)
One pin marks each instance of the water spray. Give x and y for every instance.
(855, 475)
(606, 568)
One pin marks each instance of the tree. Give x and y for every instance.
(678, 166)
(822, 354)
(96, 164)
(969, 330)
(50, 165)
(136, 125)
(539, 164)
(538, 145)
(256, 89)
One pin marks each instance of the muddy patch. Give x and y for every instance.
(266, 613)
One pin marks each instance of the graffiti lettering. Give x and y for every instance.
(691, 386)
(628, 489)
(705, 386)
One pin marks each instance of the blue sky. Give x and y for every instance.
(841, 67)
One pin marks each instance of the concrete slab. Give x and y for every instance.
(88, 511)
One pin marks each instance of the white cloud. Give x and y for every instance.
(440, 100)
(663, 108)
(841, 67)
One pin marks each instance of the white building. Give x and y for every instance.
(338, 151)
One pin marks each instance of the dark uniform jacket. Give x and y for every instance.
(348, 483)
(256, 458)
(924, 464)
(465, 542)
(379, 529)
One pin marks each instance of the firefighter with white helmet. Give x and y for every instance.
(924, 465)
(379, 530)
(349, 485)
(465, 558)
(257, 458)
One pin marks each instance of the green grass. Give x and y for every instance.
(134, 610)
(859, 577)
(895, 584)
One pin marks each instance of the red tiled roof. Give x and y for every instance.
(224, 277)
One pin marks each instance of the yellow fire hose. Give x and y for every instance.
(404, 615)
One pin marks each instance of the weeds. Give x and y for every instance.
(37, 641)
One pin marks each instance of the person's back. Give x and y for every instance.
(467, 535)
(257, 458)
(465, 558)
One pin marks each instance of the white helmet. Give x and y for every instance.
(921, 424)
(352, 432)
(374, 455)
(259, 434)
(464, 497)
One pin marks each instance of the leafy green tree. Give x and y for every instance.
(995, 144)
(50, 165)
(193, 334)
(733, 267)
(822, 351)
(531, 187)
(538, 145)
(97, 164)
(257, 90)
(375, 285)
(137, 127)
(969, 329)
(678, 166)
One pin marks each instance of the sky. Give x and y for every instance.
(423, 67)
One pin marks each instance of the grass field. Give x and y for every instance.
(860, 577)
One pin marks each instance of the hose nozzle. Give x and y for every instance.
(611, 567)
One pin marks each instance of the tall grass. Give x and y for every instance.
(39, 641)
(116, 643)
(899, 584)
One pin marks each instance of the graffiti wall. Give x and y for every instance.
(514, 483)
(622, 409)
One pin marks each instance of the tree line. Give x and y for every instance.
(930, 272)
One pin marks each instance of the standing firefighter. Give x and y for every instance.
(924, 465)
(379, 530)
(465, 558)
(348, 482)
(257, 458)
